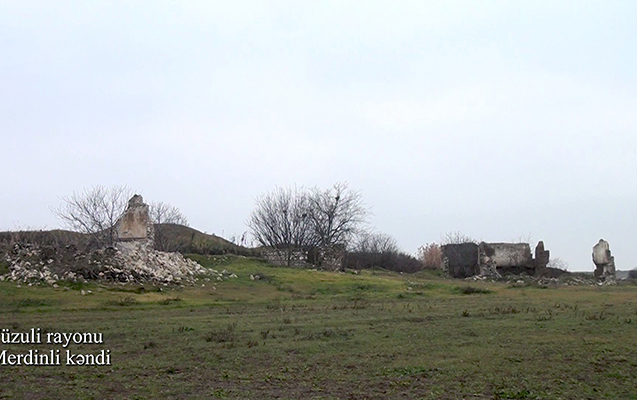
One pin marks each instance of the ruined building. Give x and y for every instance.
(134, 227)
(136, 255)
(604, 261)
(329, 258)
(131, 260)
(493, 259)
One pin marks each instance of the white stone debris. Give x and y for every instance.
(132, 260)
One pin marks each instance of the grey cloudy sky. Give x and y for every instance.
(500, 119)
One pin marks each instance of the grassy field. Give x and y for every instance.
(301, 334)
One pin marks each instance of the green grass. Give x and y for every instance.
(304, 334)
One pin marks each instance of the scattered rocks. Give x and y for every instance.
(542, 281)
(132, 260)
(140, 265)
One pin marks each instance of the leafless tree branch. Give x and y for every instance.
(95, 212)
(162, 214)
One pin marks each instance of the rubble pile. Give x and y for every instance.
(131, 260)
(44, 264)
(157, 267)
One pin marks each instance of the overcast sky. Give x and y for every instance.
(500, 119)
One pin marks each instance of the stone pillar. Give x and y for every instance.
(542, 258)
(134, 228)
(604, 261)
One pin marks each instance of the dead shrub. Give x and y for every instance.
(430, 256)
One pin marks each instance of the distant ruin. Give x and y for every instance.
(604, 262)
(135, 223)
(131, 260)
(134, 228)
(330, 258)
(493, 260)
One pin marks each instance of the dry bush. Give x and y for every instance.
(391, 261)
(557, 263)
(430, 256)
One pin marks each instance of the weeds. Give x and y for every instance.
(328, 333)
(220, 393)
(182, 329)
(359, 302)
(506, 394)
(123, 301)
(133, 289)
(227, 335)
(275, 305)
(504, 310)
(596, 317)
(423, 285)
(471, 290)
(260, 276)
(150, 345)
(409, 371)
(166, 302)
(28, 302)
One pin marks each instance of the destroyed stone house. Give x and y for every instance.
(493, 259)
(330, 258)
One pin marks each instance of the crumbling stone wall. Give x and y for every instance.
(512, 254)
(604, 261)
(298, 258)
(135, 224)
(492, 259)
(331, 258)
(542, 258)
(461, 260)
(488, 265)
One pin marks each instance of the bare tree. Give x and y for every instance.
(557, 263)
(281, 221)
(162, 214)
(337, 215)
(239, 240)
(376, 243)
(523, 238)
(289, 220)
(379, 250)
(95, 212)
(456, 237)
